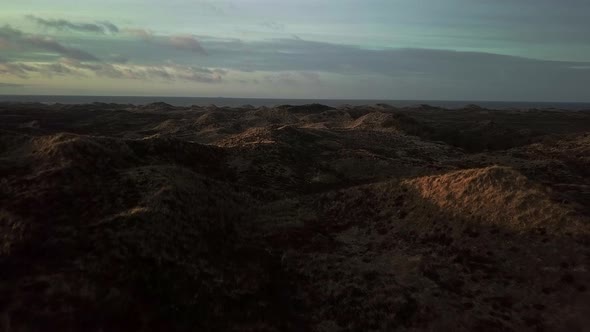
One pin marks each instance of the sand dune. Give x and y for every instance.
(293, 218)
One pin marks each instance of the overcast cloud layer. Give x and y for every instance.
(377, 49)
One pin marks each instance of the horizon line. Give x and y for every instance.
(299, 98)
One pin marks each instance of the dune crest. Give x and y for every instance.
(497, 196)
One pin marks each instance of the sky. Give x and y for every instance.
(505, 50)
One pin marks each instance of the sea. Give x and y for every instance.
(237, 102)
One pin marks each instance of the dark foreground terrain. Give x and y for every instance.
(294, 218)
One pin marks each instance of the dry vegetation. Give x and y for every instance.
(293, 218)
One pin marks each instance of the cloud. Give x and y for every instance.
(401, 72)
(103, 27)
(49, 44)
(117, 58)
(214, 7)
(4, 44)
(272, 25)
(311, 76)
(161, 72)
(58, 69)
(143, 34)
(10, 85)
(18, 39)
(7, 32)
(186, 42)
(293, 78)
(301, 55)
(431, 73)
(180, 42)
(74, 67)
(17, 69)
(203, 75)
(23, 70)
(110, 27)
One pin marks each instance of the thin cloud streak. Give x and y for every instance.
(73, 67)
(10, 85)
(103, 27)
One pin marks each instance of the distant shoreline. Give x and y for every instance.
(257, 102)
